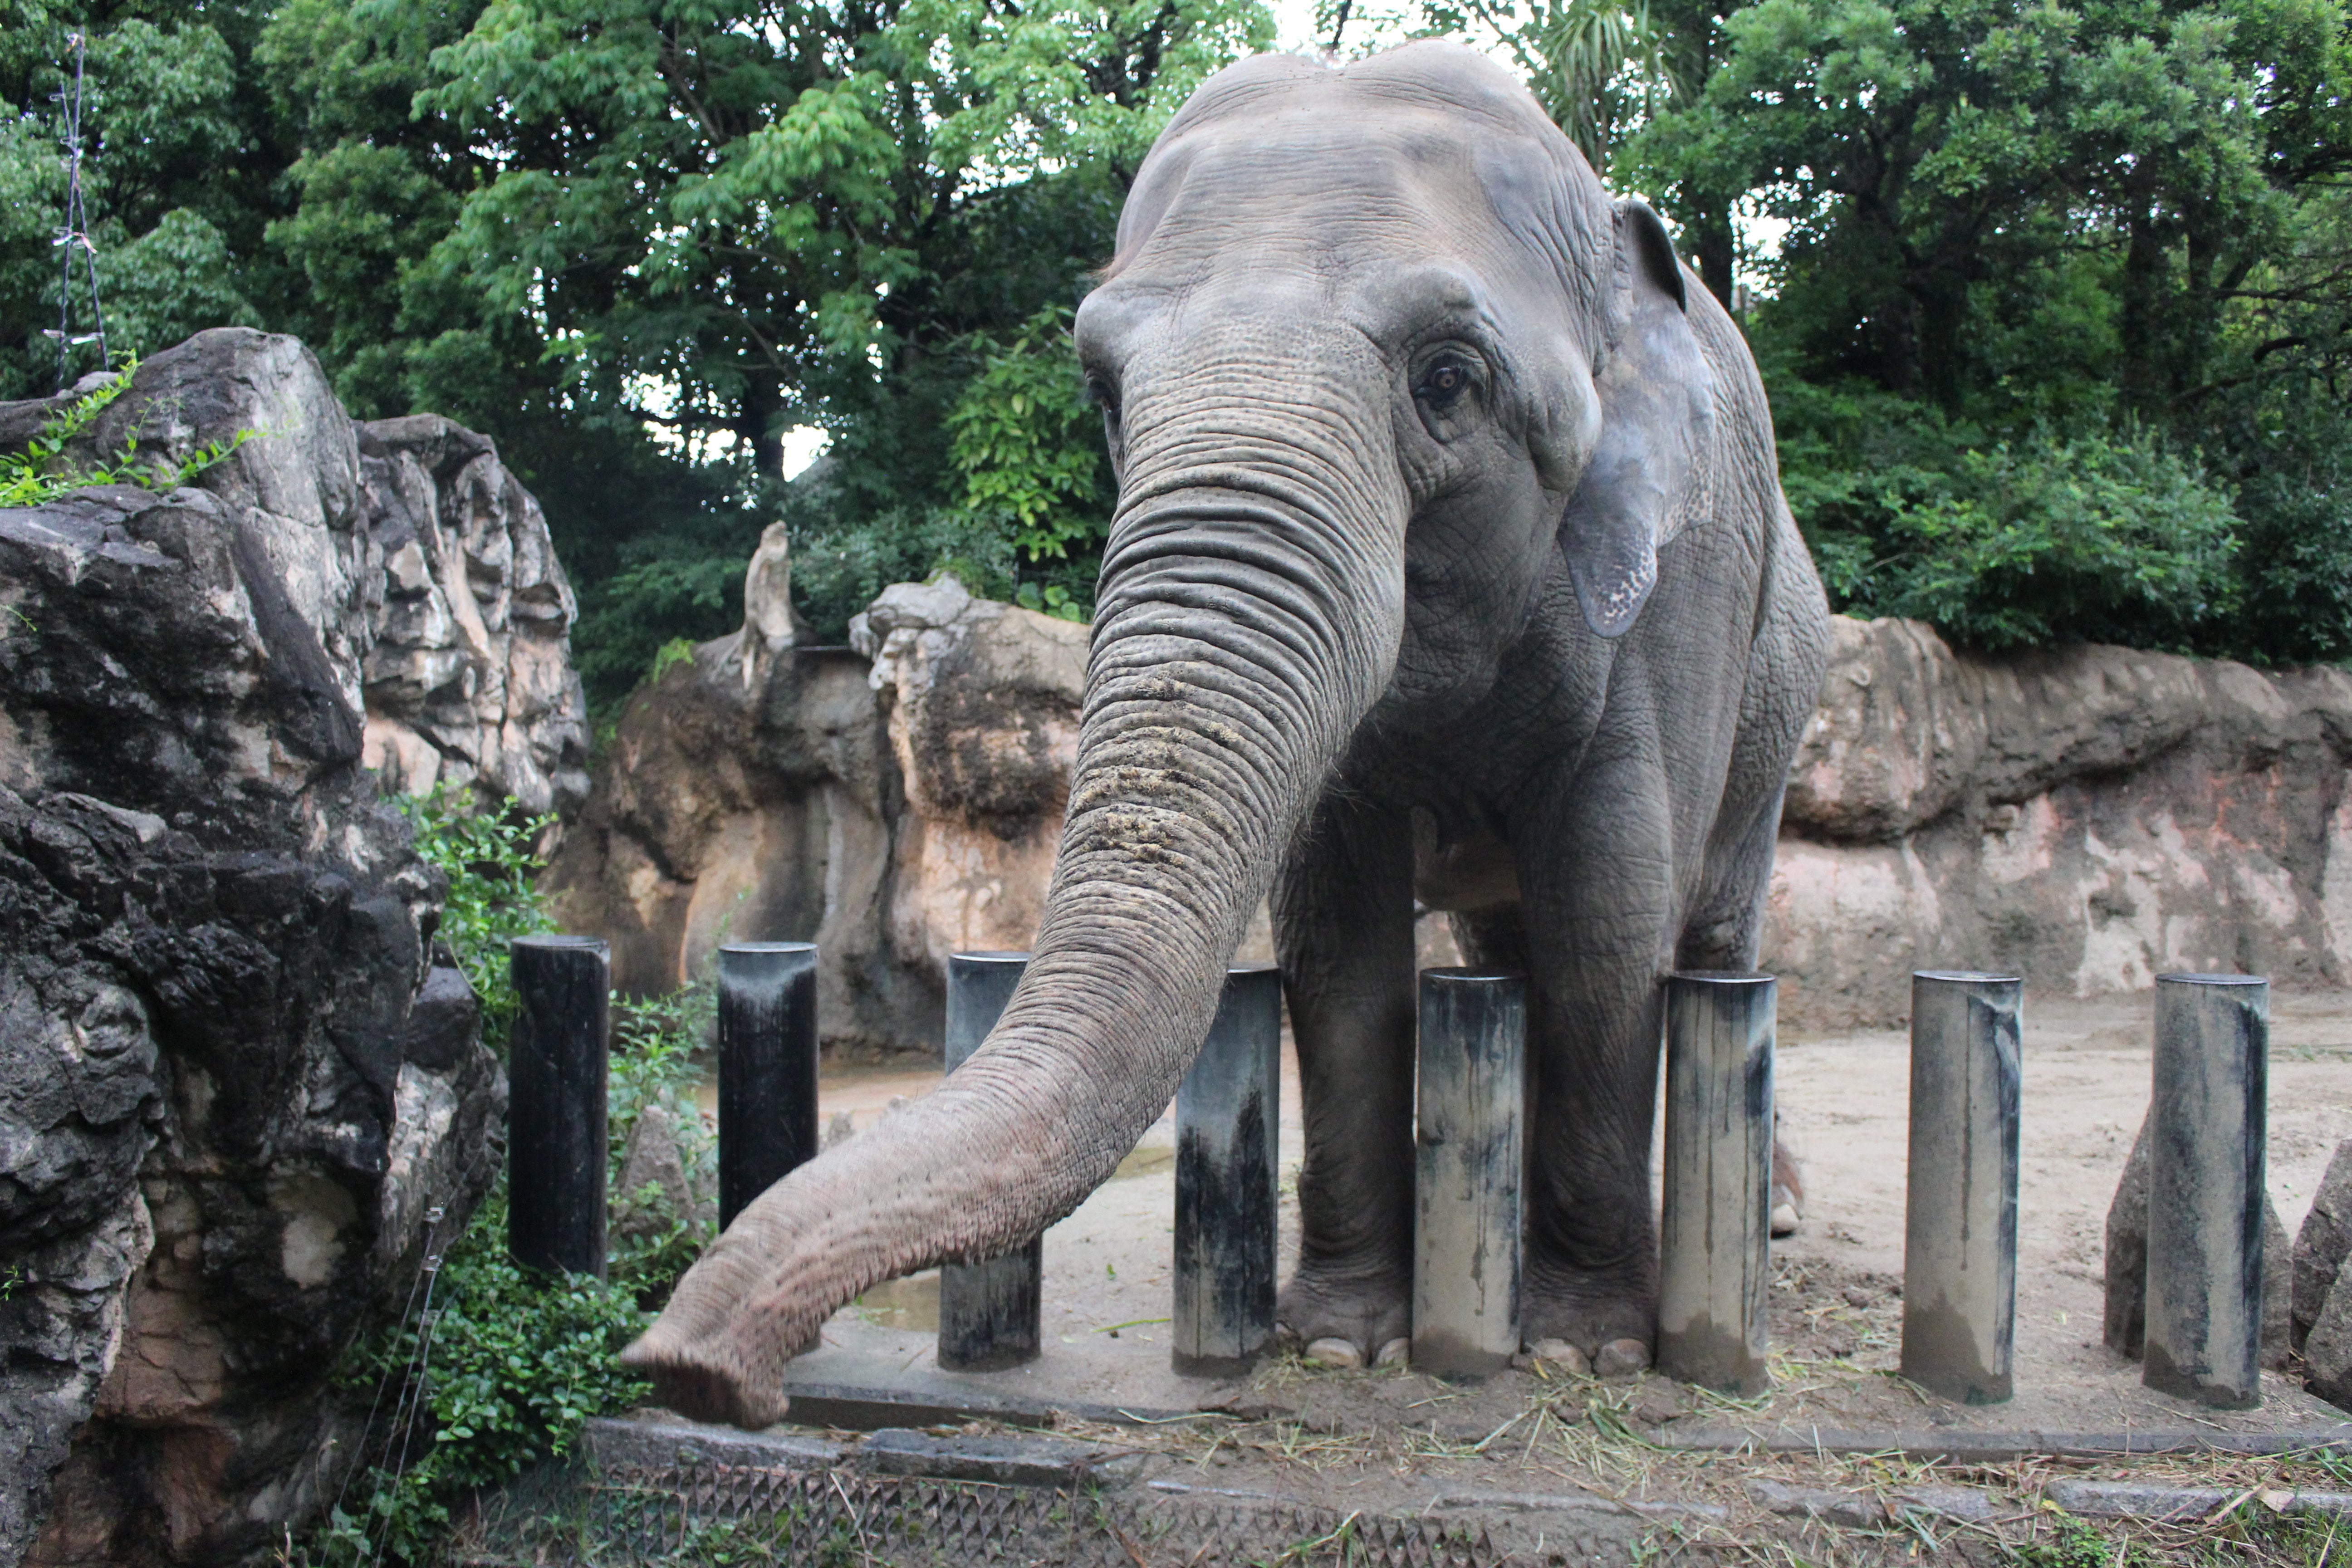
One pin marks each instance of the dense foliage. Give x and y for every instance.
(2050, 298)
(489, 860)
(2056, 332)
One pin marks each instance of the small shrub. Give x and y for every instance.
(654, 1042)
(669, 656)
(503, 1372)
(42, 471)
(490, 859)
(2075, 1544)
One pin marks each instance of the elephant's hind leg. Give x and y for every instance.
(1343, 920)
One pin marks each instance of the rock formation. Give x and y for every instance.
(445, 614)
(2323, 1243)
(238, 1100)
(893, 802)
(2088, 816)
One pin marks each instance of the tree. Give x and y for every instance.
(719, 222)
(2088, 242)
(180, 154)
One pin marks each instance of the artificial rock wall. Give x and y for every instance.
(2090, 815)
(235, 1080)
(895, 801)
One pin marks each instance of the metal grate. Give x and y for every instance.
(728, 1515)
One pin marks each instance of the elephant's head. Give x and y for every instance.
(1376, 353)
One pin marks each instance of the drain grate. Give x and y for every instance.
(727, 1516)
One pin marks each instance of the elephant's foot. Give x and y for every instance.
(1346, 1317)
(1610, 1316)
(1788, 1191)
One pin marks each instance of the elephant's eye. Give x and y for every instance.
(1443, 381)
(1103, 395)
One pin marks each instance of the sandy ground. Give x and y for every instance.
(1836, 1304)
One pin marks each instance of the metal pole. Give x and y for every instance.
(1715, 1251)
(555, 1112)
(2206, 1149)
(767, 1067)
(1960, 1237)
(1470, 1170)
(990, 1310)
(1228, 1128)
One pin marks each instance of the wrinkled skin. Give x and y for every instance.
(1450, 562)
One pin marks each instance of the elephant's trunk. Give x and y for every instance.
(1251, 612)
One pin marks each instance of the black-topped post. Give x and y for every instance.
(555, 1112)
(990, 1311)
(2205, 1170)
(767, 1067)
(1469, 1170)
(1228, 1133)
(1960, 1237)
(1714, 1242)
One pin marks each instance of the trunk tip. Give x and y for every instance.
(699, 1383)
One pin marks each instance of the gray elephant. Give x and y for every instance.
(1450, 562)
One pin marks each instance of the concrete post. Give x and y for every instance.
(555, 1110)
(990, 1311)
(767, 1067)
(2206, 1152)
(1960, 1237)
(1470, 1170)
(1228, 1131)
(1715, 1251)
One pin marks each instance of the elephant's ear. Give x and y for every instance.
(1657, 399)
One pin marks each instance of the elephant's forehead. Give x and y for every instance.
(1331, 193)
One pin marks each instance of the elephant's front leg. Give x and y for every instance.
(1343, 922)
(1597, 890)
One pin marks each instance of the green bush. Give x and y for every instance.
(654, 1041)
(2049, 537)
(504, 1371)
(490, 860)
(1028, 445)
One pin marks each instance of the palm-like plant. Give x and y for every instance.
(1599, 67)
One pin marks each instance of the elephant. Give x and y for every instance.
(1450, 564)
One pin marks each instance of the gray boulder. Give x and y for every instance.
(240, 1098)
(2328, 1351)
(2125, 1329)
(2321, 1246)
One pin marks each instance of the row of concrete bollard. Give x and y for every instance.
(2205, 1258)
(1960, 1270)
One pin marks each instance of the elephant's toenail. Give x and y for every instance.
(1335, 1353)
(1560, 1358)
(1396, 1353)
(1784, 1220)
(1621, 1358)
